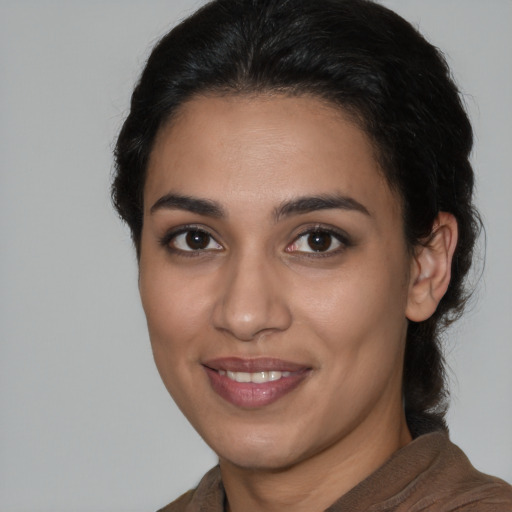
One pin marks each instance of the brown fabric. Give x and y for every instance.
(429, 474)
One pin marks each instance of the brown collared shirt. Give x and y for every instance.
(429, 474)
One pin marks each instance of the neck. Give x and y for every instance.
(315, 483)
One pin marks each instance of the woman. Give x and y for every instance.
(295, 175)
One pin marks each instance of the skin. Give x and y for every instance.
(259, 290)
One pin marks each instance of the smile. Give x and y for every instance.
(254, 383)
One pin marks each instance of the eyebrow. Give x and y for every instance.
(173, 201)
(313, 203)
(295, 206)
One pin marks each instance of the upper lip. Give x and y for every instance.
(261, 364)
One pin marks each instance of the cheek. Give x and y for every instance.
(176, 308)
(175, 316)
(357, 298)
(360, 316)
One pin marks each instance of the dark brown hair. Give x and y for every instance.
(362, 58)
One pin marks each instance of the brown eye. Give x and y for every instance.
(197, 240)
(319, 241)
(193, 240)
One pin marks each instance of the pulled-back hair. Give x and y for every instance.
(363, 59)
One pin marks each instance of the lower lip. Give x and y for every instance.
(250, 395)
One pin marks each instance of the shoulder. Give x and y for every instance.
(488, 495)
(466, 489)
(484, 494)
(450, 483)
(207, 496)
(430, 474)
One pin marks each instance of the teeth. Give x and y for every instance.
(259, 377)
(239, 376)
(256, 377)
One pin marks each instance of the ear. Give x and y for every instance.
(431, 269)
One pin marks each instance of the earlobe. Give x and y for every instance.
(431, 269)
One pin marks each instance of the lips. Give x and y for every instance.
(254, 383)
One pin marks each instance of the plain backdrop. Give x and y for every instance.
(85, 423)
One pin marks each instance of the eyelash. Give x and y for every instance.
(341, 237)
(173, 234)
(335, 234)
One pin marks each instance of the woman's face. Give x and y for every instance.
(274, 276)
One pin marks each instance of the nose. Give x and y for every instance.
(252, 300)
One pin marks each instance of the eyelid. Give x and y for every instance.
(340, 235)
(173, 233)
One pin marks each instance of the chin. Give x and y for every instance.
(258, 460)
(257, 452)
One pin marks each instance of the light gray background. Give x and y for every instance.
(85, 423)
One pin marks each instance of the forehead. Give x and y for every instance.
(262, 150)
